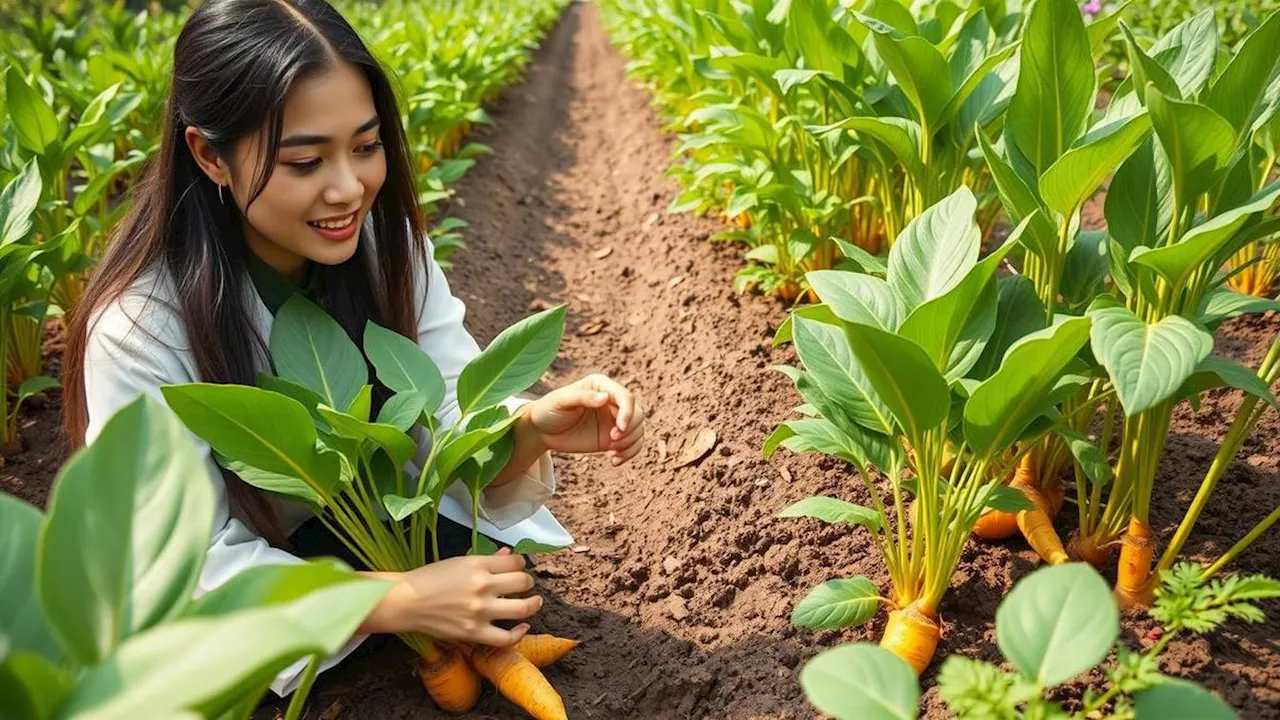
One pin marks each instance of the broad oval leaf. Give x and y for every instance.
(402, 410)
(935, 251)
(903, 378)
(861, 681)
(18, 204)
(1075, 176)
(33, 120)
(398, 445)
(515, 359)
(118, 558)
(23, 626)
(918, 66)
(1197, 141)
(1057, 623)
(403, 366)
(831, 510)
(824, 349)
(1176, 699)
(311, 349)
(842, 603)
(1236, 92)
(1006, 403)
(856, 297)
(1047, 115)
(1147, 363)
(1018, 314)
(255, 426)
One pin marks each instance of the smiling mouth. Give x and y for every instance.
(338, 224)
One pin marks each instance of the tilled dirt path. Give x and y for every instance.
(683, 581)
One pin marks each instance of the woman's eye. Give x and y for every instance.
(370, 148)
(305, 165)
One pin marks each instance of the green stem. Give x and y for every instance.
(299, 699)
(1244, 543)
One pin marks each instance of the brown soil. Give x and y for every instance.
(683, 581)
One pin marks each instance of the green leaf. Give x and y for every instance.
(23, 626)
(1046, 116)
(532, 547)
(515, 359)
(953, 328)
(1084, 273)
(1147, 363)
(1102, 27)
(1075, 176)
(1223, 303)
(824, 44)
(1197, 141)
(362, 406)
(1057, 623)
(205, 665)
(826, 354)
(1176, 263)
(256, 427)
(831, 510)
(36, 384)
(310, 400)
(1006, 403)
(903, 377)
(483, 546)
(1188, 52)
(935, 251)
(918, 66)
(400, 507)
(33, 120)
(31, 687)
(1215, 372)
(311, 349)
(847, 441)
(18, 204)
(837, 604)
(901, 136)
(1018, 313)
(855, 297)
(273, 482)
(1139, 200)
(978, 689)
(1175, 699)
(1005, 498)
(869, 263)
(118, 558)
(398, 445)
(402, 410)
(1236, 92)
(861, 682)
(1146, 70)
(466, 445)
(1089, 457)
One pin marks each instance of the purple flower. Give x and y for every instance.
(1091, 8)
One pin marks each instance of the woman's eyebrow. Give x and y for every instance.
(296, 140)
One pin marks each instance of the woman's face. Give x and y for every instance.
(329, 169)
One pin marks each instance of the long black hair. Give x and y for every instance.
(233, 65)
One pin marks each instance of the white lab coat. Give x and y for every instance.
(138, 344)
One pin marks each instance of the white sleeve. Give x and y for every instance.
(124, 359)
(443, 337)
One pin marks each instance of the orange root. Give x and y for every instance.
(1035, 524)
(1133, 579)
(996, 525)
(519, 681)
(544, 650)
(449, 680)
(912, 636)
(1055, 493)
(1089, 549)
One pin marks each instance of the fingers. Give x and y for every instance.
(570, 398)
(498, 637)
(512, 583)
(626, 448)
(624, 399)
(514, 608)
(502, 562)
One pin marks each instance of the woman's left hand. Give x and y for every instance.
(594, 414)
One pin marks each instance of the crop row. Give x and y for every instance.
(976, 345)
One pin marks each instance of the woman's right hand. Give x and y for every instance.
(458, 599)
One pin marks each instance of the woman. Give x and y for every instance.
(284, 168)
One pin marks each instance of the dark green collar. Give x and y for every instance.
(274, 289)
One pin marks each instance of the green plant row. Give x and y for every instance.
(83, 86)
(974, 381)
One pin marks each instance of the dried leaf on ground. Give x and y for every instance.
(675, 281)
(602, 253)
(698, 448)
(592, 328)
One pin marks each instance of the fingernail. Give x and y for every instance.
(601, 396)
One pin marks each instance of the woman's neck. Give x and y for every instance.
(291, 266)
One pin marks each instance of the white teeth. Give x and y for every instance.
(335, 224)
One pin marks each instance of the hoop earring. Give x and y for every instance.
(220, 198)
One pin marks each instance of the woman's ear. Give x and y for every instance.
(206, 158)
